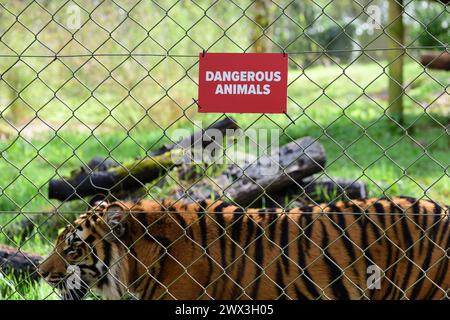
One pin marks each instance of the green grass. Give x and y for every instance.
(20, 288)
(361, 142)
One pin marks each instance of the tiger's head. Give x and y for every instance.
(92, 254)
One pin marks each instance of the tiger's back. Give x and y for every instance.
(313, 252)
(374, 249)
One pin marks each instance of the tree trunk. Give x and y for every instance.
(396, 35)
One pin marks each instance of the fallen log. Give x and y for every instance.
(128, 176)
(323, 190)
(438, 60)
(18, 263)
(297, 160)
(292, 185)
(306, 192)
(313, 190)
(104, 177)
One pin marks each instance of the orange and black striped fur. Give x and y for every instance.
(216, 250)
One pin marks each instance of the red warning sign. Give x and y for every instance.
(243, 82)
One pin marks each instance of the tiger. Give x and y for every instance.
(376, 248)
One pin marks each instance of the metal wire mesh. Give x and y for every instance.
(87, 87)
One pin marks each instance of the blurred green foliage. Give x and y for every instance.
(434, 30)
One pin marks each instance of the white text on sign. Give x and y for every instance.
(243, 76)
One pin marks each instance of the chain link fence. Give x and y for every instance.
(98, 105)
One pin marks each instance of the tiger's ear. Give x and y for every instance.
(115, 216)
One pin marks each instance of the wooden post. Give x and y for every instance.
(395, 57)
(261, 18)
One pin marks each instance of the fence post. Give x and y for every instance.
(395, 58)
